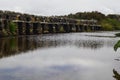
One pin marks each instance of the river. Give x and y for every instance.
(65, 56)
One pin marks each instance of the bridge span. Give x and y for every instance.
(37, 27)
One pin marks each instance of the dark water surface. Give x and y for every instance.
(73, 56)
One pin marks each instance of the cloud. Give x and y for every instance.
(60, 7)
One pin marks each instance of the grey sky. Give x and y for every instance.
(60, 7)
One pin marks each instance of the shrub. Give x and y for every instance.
(12, 27)
(110, 24)
(118, 34)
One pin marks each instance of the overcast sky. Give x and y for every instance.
(60, 7)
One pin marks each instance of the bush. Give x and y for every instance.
(118, 34)
(110, 24)
(12, 27)
(107, 26)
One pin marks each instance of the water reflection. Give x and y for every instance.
(17, 45)
(58, 57)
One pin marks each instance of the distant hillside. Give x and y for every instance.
(109, 22)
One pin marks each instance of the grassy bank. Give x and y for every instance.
(110, 24)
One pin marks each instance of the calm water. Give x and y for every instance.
(73, 56)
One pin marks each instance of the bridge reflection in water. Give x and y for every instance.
(17, 45)
(59, 56)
